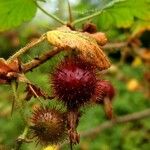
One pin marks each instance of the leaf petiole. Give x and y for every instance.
(50, 15)
(110, 4)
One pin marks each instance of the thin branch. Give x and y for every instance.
(123, 119)
(109, 124)
(86, 18)
(94, 14)
(70, 12)
(26, 48)
(115, 45)
(45, 57)
(37, 96)
(42, 59)
(50, 15)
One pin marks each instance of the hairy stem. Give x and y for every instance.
(37, 96)
(50, 15)
(86, 18)
(17, 100)
(48, 55)
(93, 15)
(70, 12)
(26, 48)
(43, 58)
(115, 45)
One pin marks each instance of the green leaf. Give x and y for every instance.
(15, 12)
(123, 13)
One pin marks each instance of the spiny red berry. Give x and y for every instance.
(74, 82)
(104, 93)
(49, 125)
(103, 89)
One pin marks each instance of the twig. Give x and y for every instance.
(70, 12)
(94, 14)
(36, 96)
(26, 48)
(86, 18)
(115, 45)
(109, 124)
(43, 58)
(123, 119)
(50, 15)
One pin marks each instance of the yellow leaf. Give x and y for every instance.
(85, 45)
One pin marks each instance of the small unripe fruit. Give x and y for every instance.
(103, 89)
(49, 126)
(74, 82)
(104, 93)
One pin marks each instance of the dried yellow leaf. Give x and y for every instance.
(86, 46)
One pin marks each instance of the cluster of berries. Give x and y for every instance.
(75, 84)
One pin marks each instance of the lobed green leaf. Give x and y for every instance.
(123, 13)
(15, 12)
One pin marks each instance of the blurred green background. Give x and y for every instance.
(128, 73)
